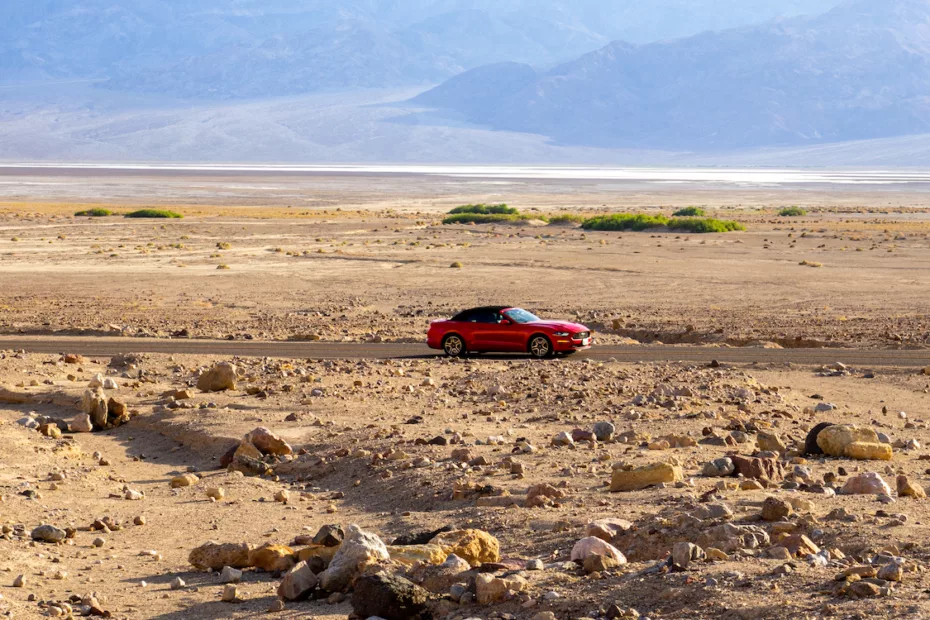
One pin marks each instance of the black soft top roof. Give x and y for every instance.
(464, 314)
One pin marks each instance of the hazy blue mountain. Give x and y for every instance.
(261, 48)
(860, 71)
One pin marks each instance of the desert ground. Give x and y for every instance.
(572, 488)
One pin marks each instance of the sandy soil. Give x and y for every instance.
(374, 263)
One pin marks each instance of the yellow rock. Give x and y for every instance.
(855, 442)
(411, 554)
(643, 477)
(474, 546)
(865, 451)
(247, 449)
(317, 551)
(272, 558)
(186, 480)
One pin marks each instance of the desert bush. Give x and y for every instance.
(689, 212)
(456, 265)
(98, 212)
(640, 222)
(155, 213)
(566, 218)
(624, 221)
(704, 225)
(792, 212)
(223, 245)
(490, 218)
(482, 209)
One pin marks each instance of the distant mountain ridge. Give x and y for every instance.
(860, 71)
(230, 49)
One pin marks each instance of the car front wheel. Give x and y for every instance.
(540, 347)
(454, 346)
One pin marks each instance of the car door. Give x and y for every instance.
(485, 330)
(512, 336)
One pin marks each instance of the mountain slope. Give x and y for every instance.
(860, 71)
(258, 48)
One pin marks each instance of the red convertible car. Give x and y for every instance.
(503, 329)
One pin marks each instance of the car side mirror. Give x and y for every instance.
(506, 322)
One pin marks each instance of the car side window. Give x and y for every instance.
(484, 317)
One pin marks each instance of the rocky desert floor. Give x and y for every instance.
(155, 486)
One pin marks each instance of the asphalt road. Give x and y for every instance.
(102, 346)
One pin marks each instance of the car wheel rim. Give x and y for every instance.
(539, 347)
(453, 346)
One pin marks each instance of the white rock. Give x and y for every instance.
(359, 551)
(595, 546)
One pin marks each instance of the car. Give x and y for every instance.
(506, 329)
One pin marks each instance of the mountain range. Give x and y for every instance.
(860, 71)
(234, 49)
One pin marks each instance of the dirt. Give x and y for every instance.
(374, 263)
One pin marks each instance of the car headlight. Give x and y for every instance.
(561, 334)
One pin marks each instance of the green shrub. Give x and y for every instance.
(792, 212)
(689, 212)
(155, 213)
(624, 221)
(482, 209)
(704, 225)
(566, 218)
(640, 222)
(491, 218)
(94, 213)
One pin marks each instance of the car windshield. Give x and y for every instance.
(518, 315)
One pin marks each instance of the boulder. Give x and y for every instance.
(390, 597)
(810, 442)
(683, 553)
(216, 556)
(906, 488)
(599, 564)
(869, 483)
(267, 442)
(542, 494)
(758, 468)
(219, 378)
(644, 477)
(770, 442)
(607, 529)
(317, 556)
(855, 442)
(775, 509)
(272, 558)
(81, 424)
(298, 583)
(438, 579)
(329, 536)
(94, 404)
(490, 589)
(604, 431)
(359, 551)
(800, 545)
(409, 555)
(592, 545)
(474, 546)
(48, 534)
(185, 480)
(719, 468)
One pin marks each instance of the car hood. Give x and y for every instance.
(561, 326)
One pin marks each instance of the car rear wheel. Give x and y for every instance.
(540, 347)
(453, 345)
